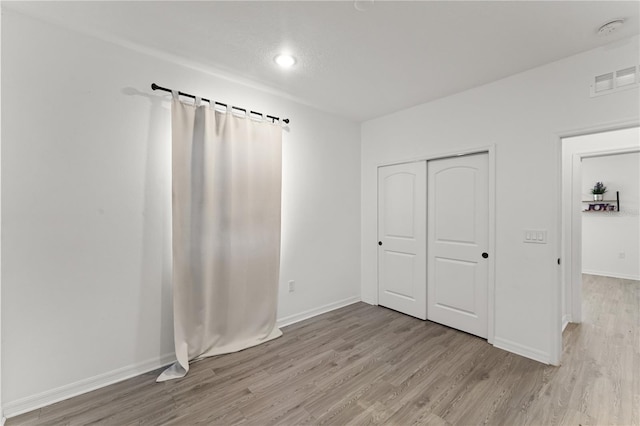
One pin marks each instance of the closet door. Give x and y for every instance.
(458, 240)
(402, 243)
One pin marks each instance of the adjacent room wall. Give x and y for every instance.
(611, 240)
(86, 204)
(523, 116)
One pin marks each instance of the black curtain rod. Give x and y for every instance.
(188, 95)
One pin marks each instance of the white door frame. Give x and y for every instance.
(491, 151)
(570, 231)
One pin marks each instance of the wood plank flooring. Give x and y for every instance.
(369, 365)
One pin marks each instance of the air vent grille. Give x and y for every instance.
(604, 82)
(626, 76)
(615, 81)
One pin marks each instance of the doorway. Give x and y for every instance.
(575, 199)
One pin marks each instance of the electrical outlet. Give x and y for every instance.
(292, 286)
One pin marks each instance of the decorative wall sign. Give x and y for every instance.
(604, 205)
(601, 207)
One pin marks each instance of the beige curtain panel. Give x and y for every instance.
(227, 179)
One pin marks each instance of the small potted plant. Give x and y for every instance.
(598, 191)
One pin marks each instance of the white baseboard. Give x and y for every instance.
(292, 319)
(521, 350)
(370, 301)
(612, 275)
(566, 319)
(30, 403)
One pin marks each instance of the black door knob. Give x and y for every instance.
(485, 255)
(379, 243)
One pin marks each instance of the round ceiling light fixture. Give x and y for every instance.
(610, 27)
(285, 61)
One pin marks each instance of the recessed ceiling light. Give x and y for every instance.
(285, 61)
(610, 27)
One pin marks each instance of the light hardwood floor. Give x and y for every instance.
(370, 365)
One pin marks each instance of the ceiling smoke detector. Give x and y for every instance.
(363, 5)
(610, 27)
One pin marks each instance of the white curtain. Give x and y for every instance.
(227, 178)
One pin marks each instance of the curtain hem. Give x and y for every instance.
(177, 370)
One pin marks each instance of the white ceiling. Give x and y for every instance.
(356, 64)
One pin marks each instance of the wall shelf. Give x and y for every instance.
(603, 205)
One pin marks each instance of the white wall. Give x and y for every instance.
(611, 240)
(523, 116)
(86, 208)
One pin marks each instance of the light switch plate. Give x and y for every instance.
(536, 236)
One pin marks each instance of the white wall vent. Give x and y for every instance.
(612, 82)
